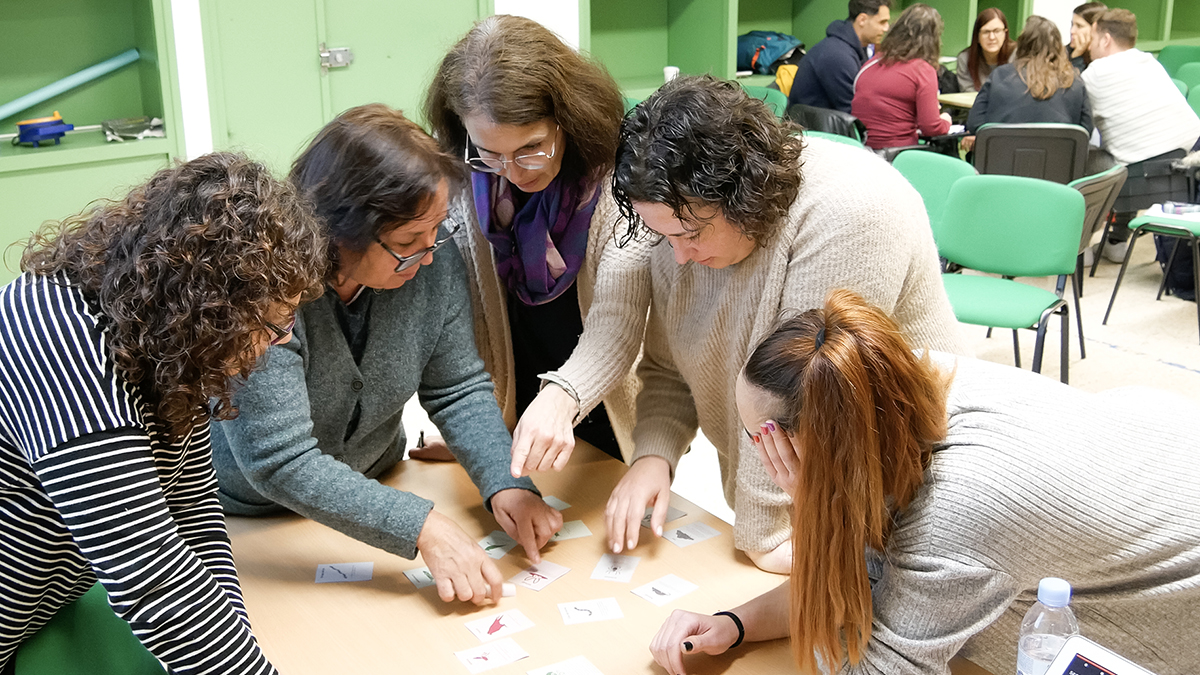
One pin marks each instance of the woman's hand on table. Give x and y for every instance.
(459, 566)
(545, 434)
(526, 518)
(704, 634)
(648, 481)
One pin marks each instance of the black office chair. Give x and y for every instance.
(827, 120)
(1053, 152)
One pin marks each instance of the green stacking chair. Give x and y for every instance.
(1189, 74)
(1173, 56)
(1180, 85)
(1194, 99)
(86, 638)
(776, 100)
(932, 174)
(1012, 226)
(630, 103)
(1185, 230)
(838, 138)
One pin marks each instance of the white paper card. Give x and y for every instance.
(499, 625)
(576, 666)
(540, 575)
(496, 544)
(420, 577)
(555, 503)
(327, 574)
(572, 529)
(587, 611)
(672, 514)
(491, 655)
(613, 567)
(664, 590)
(692, 533)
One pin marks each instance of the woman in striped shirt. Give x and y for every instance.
(126, 322)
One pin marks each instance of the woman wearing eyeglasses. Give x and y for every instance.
(537, 124)
(990, 46)
(322, 419)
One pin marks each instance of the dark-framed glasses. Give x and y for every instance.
(281, 333)
(497, 163)
(404, 262)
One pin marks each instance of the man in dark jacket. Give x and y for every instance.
(825, 77)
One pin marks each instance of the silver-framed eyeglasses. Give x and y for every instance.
(280, 332)
(496, 164)
(404, 262)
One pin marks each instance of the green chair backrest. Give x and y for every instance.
(1194, 100)
(932, 174)
(1181, 85)
(776, 100)
(1173, 56)
(1012, 225)
(834, 137)
(1189, 74)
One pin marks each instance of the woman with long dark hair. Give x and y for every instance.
(1081, 33)
(931, 493)
(990, 46)
(128, 320)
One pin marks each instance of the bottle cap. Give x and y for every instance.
(1054, 592)
(509, 590)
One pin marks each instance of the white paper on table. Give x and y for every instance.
(572, 529)
(613, 567)
(499, 625)
(420, 577)
(496, 544)
(491, 655)
(692, 533)
(540, 575)
(672, 514)
(587, 611)
(338, 572)
(664, 590)
(556, 503)
(576, 666)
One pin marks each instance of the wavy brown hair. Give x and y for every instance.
(866, 413)
(1042, 61)
(975, 51)
(185, 272)
(515, 71)
(916, 34)
(702, 142)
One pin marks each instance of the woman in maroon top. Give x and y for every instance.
(895, 94)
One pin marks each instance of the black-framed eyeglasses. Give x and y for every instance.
(281, 332)
(404, 262)
(532, 162)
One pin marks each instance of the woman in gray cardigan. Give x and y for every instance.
(322, 419)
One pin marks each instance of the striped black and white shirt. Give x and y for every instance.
(92, 487)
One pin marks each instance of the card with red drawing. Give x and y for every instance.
(540, 575)
(499, 625)
(491, 655)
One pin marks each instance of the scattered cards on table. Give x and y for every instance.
(539, 576)
(692, 533)
(587, 611)
(672, 514)
(337, 572)
(556, 503)
(613, 567)
(420, 577)
(572, 529)
(576, 666)
(664, 590)
(499, 625)
(491, 655)
(496, 544)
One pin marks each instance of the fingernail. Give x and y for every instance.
(632, 543)
(508, 590)
(616, 548)
(757, 438)
(658, 530)
(687, 646)
(771, 427)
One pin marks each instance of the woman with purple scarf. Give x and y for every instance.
(537, 124)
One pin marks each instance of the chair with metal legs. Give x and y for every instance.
(1182, 229)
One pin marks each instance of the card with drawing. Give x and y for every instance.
(420, 577)
(556, 503)
(572, 529)
(499, 625)
(576, 666)
(664, 590)
(327, 574)
(613, 567)
(540, 575)
(672, 514)
(496, 544)
(587, 611)
(491, 655)
(692, 533)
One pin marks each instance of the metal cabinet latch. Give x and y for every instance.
(338, 57)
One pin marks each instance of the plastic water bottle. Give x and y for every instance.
(1046, 626)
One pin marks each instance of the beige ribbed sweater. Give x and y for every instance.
(856, 224)
(614, 292)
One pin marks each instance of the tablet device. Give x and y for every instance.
(1081, 656)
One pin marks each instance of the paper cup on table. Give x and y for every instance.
(670, 73)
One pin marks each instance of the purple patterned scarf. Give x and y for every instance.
(540, 248)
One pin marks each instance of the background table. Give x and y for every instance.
(964, 99)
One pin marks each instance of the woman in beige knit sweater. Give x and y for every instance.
(537, 124)
(748, 224)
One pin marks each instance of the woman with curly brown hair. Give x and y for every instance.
(323, 419)
(127, 321)
(537, 124)
(748, 222)
(931, 493)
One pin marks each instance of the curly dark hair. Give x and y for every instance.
(185, 272)
(916, 34)
(515, 71)
(702, 142)
(368, 172)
